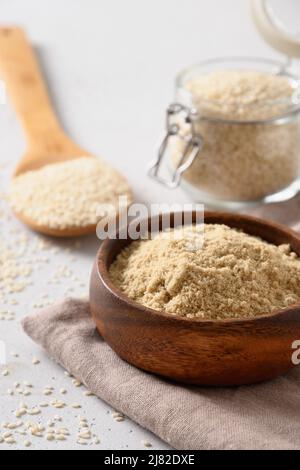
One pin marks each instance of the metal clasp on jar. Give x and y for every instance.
(181, 124)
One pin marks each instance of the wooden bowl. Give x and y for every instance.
(194, 351)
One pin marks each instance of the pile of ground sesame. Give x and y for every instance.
(233, 274)
(240, 161)
(69, 194)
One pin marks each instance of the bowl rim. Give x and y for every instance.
(104, 276)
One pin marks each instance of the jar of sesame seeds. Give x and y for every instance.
(233, 131)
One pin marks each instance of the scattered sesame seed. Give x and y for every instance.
(21, 412)
(34, 411)
(120, 419)
(147, 444)
(82, 442)
(10, 440)
(84, 435)
(13, 426)
(64, 431)
(58, 404)
(76, 383)
(27, 384)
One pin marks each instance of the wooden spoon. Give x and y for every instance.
(47, 143)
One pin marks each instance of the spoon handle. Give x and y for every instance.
(20, 71)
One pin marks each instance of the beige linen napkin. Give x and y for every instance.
(265, 416)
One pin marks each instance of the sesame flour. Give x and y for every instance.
(233, 275)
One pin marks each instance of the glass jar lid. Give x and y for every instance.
(278, 23)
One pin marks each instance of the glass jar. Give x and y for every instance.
(231, 151)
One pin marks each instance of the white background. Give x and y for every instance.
(110, 66)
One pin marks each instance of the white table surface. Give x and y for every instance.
(110, 66)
